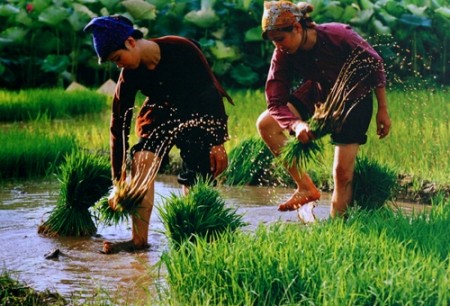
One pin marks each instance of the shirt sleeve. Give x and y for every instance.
(122, 113)
(377, 74)
(278, 86)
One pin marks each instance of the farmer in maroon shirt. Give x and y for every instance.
(315, 54)
(183, 107)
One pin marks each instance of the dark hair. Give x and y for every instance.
(137, 34)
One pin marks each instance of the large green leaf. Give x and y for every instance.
(222, 51)
(387, 18)
(394, 8)
(443, 11)
(109, 4)
(13, 35)
(140, 9)
(349, 13)
(53, 15)
(220, 68)
(202, 18)
(416, 10)
(362, 17)
(415, 21)
(7, 10)
(244, 75)
(366, 5)
(334, 10)
(380, 28)
(55, 63)
(23, 18)
(80, 17)
(253, 34)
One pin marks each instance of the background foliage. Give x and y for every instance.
(42, 42)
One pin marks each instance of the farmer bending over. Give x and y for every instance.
(305, 65)
(183, 107)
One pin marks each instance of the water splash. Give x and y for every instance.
(127, 194)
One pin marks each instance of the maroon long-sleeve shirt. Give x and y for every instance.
(181, 87)
(322, 64)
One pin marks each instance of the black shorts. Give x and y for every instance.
(194, 152)
(355, 126)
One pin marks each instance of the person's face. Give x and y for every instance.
(287, 42)
(126, 58)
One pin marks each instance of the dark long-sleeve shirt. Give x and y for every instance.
(322, 64)
(181, 87)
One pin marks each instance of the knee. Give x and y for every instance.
(342, 175)
(264, 123)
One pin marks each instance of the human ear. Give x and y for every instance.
(130, 43)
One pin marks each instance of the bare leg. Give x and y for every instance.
(275, 138)
(343, 168)
(143, 163)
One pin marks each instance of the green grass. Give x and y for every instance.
(84, 178)
(378, 258)
(31, 104)
(200, 214)
(28, 153)
(374, 185)
(418, 144)
(250, 163)
(14, 292)
(372, 258)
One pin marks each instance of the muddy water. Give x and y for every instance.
(80, 268)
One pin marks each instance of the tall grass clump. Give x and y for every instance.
(14, 292)
(32, 153)
(373, 184)
(373, 258)
(84, 178)
(202, 213)
(31, 104)
(250, 163)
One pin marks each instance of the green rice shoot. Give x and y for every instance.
(84, 179)
(200, 213)
(374, 184)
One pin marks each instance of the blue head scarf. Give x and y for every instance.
(109, 34)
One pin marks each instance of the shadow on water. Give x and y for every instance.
(80, 268)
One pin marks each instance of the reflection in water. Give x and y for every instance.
(81, 268)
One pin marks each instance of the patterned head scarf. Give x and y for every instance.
(108, 34)
(278, 15)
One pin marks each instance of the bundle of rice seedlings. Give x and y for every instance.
(330, 115)
(250, 163)
(201, 213)
(373, 184)
(84, 179)
(125, 196)
(296, 153)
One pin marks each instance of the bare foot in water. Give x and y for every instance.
(298, 199)
(127, 246)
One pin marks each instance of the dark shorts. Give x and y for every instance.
(194, 152)
(355, 126)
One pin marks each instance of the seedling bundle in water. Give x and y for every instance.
(330, 115)
(374, 184)
(84, 179)
(250, 163)
(201, 213)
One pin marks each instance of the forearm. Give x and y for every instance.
(380, 93)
